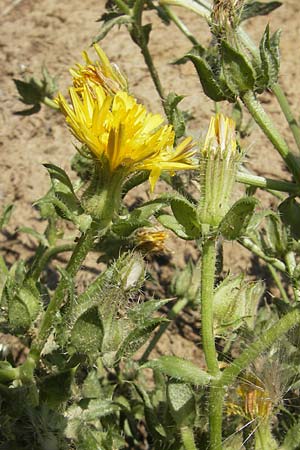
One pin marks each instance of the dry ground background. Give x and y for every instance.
(54, 33)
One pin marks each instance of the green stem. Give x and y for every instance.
(9, 374)
(173, 313)
(82, 248)
(47, 255)
(268, 183)
(285, 107)
(51, 103)
(122, 6)
(208, 268)
(263, 436)
(279, 284)
(228, 376)
(263, 120)
(250, 245)
(187, 437)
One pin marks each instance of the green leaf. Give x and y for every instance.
(29, 91)
(270, 58)
(65, 202)
(180, 369)
(109, 24)
(56, 389)
(252, 9)
(124, 228)
(23, 307)
(141, 312)
(137, 337)
(137, 219)
(5, 216)
(59, 178)
(292, 438)
(238, 73)
(186, 214)
(182, 404)
(210, 84)
(152, 420)
(171, 223)
(87, 334)
(235, 222)
(174, 115)
(289, 210)
(235, 303)
(99, 408)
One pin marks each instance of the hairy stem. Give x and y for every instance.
(267, 183)
(208, 268)
(279, 284)
(51, 103)
(250, 245)
(82, 248)
(187, 437)
(207, 295)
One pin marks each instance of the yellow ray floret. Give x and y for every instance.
(98, 73)
(220, 137)
(121, 130)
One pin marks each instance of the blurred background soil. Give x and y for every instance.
(53, 33)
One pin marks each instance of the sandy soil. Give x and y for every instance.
(54, 33)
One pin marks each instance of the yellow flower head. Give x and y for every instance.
(99, 73)
(257, 401)
(220, 139)
(120, 130)
(150, 241)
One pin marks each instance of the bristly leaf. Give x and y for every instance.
(292, 438)
(109, 24)
(174, 115)
(182, 403)
(270, 59)
(238, 73)
(289, 211)
(180, 369)
(186, 214)
(235, 222)
(252, 9)
(23, 307)
(136, 338)
(87, 334)
(210, 84)
(65, 201)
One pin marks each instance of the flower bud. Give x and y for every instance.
(219, 159)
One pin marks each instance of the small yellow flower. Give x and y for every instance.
(221, 138)
(257, 402)
(98, 73)
(150, 241)
(120, 130)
